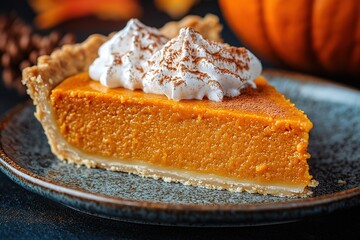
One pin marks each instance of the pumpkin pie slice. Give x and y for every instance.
(255, 142)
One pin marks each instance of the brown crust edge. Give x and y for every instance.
(48, 73)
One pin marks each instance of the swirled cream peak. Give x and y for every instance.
(191, 67)
(123, 59)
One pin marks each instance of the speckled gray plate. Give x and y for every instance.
(335, 163)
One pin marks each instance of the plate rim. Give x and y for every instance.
(328, 202)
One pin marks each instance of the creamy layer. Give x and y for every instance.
(186, 67)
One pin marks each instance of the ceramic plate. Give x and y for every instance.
(334, 145)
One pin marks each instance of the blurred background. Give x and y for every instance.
(318, 38)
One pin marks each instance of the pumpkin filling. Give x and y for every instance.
(258, 137)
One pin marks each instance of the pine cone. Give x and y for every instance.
(20, 46)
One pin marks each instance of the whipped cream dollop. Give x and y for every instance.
(122, 60)
(191, 67)
(185, 67)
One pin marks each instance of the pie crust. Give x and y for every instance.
(73, 59)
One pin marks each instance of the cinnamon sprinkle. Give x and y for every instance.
(190, 57)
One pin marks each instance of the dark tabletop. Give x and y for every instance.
(26, 215)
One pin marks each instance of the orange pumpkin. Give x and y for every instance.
(320, 36)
